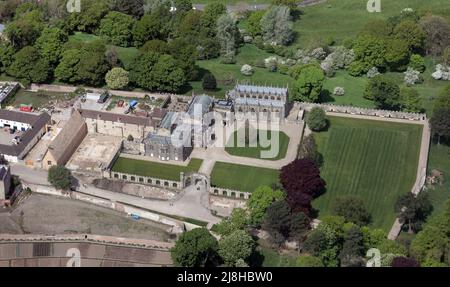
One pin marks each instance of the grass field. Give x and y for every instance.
(255, 152)
(371, 159)
(154, 169)
(338, 19)
(242, 177)
(227, 74)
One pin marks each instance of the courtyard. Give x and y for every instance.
(374, 160)
(96, 152)
(238, 147)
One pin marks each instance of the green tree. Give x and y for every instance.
(397, 54)
(60, 177)
(209, 82)
(254, 23)
(410, 100)
(210, 15)
(117, 27)
(228, 37)
(316, 119)
(153, 71)
(412, 34)
(147, 28)
(6, 56)
(308, 84)
(157, 46)
(370, 52)
(276, 26)
(299, 226)
(183, 6)
(29, 66)
(384, 92)
(117, 78)
(412, 210)
(440, 123)
(50, 44)
(238, 220)
(352, 208)
(89, 20)
(417, 62)
(195, 248)
(309, 261)
(186, 55)
(446, 56)
(25, 28)
(353, 248)
(431, 246)
(277, 221)
(308, 150)
(260, 200)
(237, 245)
(134, 8)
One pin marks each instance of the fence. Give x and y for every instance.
(364, 111)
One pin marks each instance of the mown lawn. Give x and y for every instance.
(271, 258)
(242, 177)
(371, 159)
(280, 143)
(154, 169)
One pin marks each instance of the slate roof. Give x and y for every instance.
(259, 102)
(37, 122)
(202, 101)
(62, 141)
(112, 117)
(261, 89)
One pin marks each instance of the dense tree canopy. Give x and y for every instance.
(384, 92)
(276, 26)
(117, 78)
(59, 177)
(117, 27)
(308, 84)
(51, 44)
(412, 210)
(260, 200)
(352, 209)
(237, 245)
(316, 119)
(302, 182)
(195, 248)
(29, 66)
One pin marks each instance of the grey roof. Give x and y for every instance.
(7, 89)
(202, 101)
(3, 171)
(37, 122)
(112, 117)
(259, 102)
(159, 139)
(261, 89)
(168, 120)
(2, 28)
(60, 145)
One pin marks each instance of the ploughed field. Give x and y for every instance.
(374, 160)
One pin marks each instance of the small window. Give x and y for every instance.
(49, 162)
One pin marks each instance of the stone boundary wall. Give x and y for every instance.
(153, 181)
(229, 193)
(364, 111)
(89, 238)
